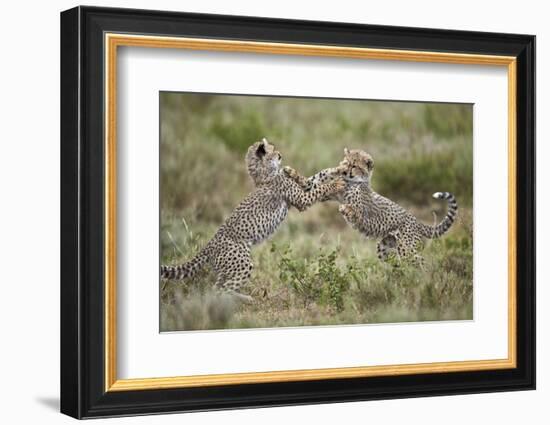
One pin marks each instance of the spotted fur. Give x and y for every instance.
(256, 218)
(399, 233)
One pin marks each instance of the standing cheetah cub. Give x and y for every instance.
(399, 232)
(255, 218)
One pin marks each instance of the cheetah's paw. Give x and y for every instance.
(347, 211)
(290, 172)
(340, 185)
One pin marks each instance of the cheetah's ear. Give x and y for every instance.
(370, 164)
(260, 152)
(346, 151)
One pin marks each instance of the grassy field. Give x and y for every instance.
(315, 270)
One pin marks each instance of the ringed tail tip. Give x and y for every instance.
(441, 195)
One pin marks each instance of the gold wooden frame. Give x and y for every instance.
(113, 41)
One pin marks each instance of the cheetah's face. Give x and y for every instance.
(268, 155)
(356, 167)
(263, 160)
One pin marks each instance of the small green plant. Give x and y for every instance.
(297, 273)
(335, 279)
(321, 280)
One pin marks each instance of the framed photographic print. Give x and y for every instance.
(261, 212)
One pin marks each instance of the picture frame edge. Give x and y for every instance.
(83, 394)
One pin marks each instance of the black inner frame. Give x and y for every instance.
(82, 212)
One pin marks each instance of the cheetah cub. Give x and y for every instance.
(257, 217)
(399, 233)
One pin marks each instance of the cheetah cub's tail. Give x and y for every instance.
(433, 232)
(185, 270)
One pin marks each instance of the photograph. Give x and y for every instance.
(293, 211)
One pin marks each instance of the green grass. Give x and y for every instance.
(315, 270)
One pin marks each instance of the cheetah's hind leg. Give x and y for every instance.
(233, 268)
(407, 248)
(419, 261)
(417, 258)
(231, 287)
(386, 248)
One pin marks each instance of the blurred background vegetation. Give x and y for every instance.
(315, 270)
